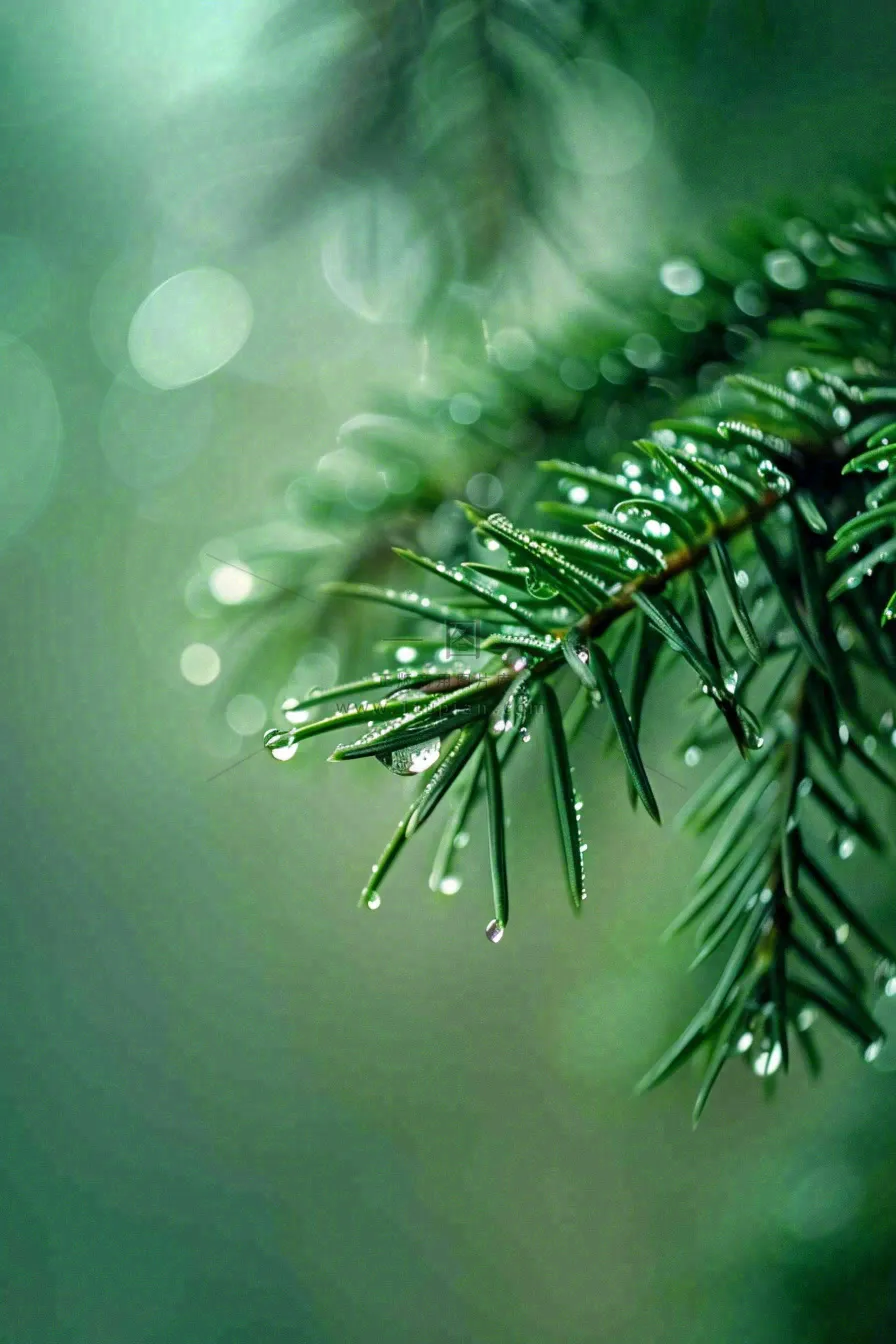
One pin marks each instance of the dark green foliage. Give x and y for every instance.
(738, 537)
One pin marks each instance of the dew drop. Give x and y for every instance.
(461, 840)
(744, 1041)
(884, 975)
(846, 844)
(873, 1050)
(693, 756)
(450, 885)
(768, 1062)
(805, 1019)
(285, 753)
(413, 760)
(494, 931)
(373, 901)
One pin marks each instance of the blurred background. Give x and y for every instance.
(235, 1109)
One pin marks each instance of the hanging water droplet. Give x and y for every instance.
(693, 756)
(846, 844)
(768, 1062)
(730, 680)
(742, 578)
(461, 840)
(873, 1050)
(744, 1041)
(884, 976)
(373, 900)
(412, 760)
(494, 931)
(841, 933)
(450, 885)
(805, 1019)
(804, 788)
(285, 753)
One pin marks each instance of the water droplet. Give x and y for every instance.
(413, 760)
(873, 1050)
(846, 844)
(450, 885)
(373, 900)
(681, 276)
(841, 933)
(744, 1041)
(731, 680)
(768, 1062)
(405, 654)
(884, 975)
(784, 268)
(843, 733)
(494, 931)
(285, 753)
(693, 756)
(805, 1019)
(461, 840)
(742, 578)
(804, 788)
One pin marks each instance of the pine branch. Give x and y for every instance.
(727, 539)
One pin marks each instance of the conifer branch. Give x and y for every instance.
(740, 537)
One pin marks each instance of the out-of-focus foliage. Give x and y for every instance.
(454, 110)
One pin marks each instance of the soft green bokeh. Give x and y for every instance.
(235, 1109)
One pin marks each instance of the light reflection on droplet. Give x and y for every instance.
(768, 1061)
(785, 269)
(681, 276)
(494, 931)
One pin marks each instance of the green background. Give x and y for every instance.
(233, 1108)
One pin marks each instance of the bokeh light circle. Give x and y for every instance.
(189, 327)
(200, 664)
(611, 122)
(246, 715)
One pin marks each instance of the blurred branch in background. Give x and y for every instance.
(450, 117)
